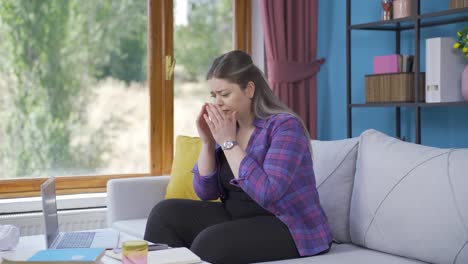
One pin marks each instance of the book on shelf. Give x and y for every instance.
(407, 63)
(386, 64)
(60, 256)
(393, 63)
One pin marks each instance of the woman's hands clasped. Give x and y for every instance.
(214, 125)
(203, 128)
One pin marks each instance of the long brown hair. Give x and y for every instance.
(237, 67)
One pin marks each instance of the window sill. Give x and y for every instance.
(64, 202)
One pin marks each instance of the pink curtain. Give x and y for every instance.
(290, 28)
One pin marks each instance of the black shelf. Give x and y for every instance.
(397, 104)
(444, 17)
(414, 23)
(443, 104)
(445, 13)
(426, 20)
(387, 25)
(384, 105)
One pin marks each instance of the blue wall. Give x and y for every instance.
(440, 126)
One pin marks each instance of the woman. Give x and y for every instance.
(256, 158)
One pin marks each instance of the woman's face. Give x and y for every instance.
(230, 97)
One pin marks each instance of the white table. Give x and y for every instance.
(29, 245)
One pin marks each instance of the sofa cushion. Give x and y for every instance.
(410, 200)
(334, 168)
(180, 185)
(134, 227)
(349, 254)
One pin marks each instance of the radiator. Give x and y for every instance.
(70, 220)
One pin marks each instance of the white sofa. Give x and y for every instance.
(387, 201)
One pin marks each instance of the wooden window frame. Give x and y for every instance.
(243, 25)
(161, 98)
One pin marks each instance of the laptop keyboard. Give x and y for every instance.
(76, 240)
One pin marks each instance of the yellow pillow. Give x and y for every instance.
(180, 185)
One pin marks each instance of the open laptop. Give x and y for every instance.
(107, 238)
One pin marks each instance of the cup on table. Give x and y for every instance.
(135, 252)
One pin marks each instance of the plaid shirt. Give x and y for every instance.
(277, 173)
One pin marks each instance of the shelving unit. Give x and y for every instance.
(415, 22)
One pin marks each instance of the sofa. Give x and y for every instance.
(387, 201)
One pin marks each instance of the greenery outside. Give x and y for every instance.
(54, 54)
(205, 34)
(73, 91)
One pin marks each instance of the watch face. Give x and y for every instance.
(228, 144)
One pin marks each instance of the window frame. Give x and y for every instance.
(161, 98)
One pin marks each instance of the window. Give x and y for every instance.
(74, 92)
(203, 29)
(75, 77)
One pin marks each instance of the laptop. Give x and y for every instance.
(106, 238)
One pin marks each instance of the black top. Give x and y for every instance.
(237, 202)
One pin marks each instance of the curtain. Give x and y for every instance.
(290, 28)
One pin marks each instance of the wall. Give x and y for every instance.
(441, 126)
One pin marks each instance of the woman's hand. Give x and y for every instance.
(222, 126)
(203, 128)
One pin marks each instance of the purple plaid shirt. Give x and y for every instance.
(277, 173)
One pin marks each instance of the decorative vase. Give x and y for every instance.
(402, 8)
(464, 83)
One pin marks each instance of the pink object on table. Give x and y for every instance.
(386, 64)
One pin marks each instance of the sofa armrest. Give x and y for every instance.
(133, 198)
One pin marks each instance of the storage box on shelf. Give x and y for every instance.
(458, 4)
(393, 87)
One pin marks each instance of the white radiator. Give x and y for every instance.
(72, 220)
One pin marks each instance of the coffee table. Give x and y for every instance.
(29, 245)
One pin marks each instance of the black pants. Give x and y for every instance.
(209, 230)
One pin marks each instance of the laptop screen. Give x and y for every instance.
(49, 208)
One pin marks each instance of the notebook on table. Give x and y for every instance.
(61, 256)
(55, 239)
(181, 255)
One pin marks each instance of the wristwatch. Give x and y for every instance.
(229, 144)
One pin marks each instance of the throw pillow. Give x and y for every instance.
(334, 168)
(180, 185)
